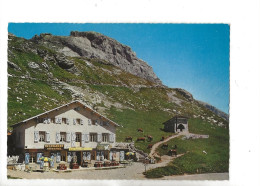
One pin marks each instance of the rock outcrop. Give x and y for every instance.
(215, 110)
(96, 45)
(185, 94)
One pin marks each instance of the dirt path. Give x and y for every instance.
(156, 145)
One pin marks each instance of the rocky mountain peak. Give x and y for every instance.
(96, 45)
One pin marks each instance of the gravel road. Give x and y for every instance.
(133, 172)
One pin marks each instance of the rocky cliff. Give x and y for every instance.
(95, 45)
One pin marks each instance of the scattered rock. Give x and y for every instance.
(13, 65)
(33, 65)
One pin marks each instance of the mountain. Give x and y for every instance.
(47, 71)
(215, 110)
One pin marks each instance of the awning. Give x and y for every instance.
(79, 148)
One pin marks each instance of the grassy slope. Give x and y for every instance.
(194, 160)
(149, 121)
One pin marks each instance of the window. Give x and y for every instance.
(41, 136)
(93, 122)
(33, 158)
(78, 121)
(93, 137)
(77, 137)
(52, 120)
(63, 137)
(105, 137)
(63, 156)
(64, 120)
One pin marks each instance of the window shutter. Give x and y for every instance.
(36, 136)
(86, 138)
(58, 157)
(74, 121)
(47, 134)
(49, 120)
(44, 120)
(81, 121)
(101, 122)
(68, 137)
(89, 121)
(96, 122)
(56, 120)
(39, 155)
(111, 138)
(82, 139)
(57, 137)
(99, 137)
(67, 121)
(73, 136)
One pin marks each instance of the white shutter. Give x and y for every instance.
(68, 137)
(86, 138)
(56, 120)
(44, 120)
(111, 138)
(49, 120)
(67, 121)
(36, 136)
(74, 121)
(81, 121)
(82, 139)
(57, 137)
(73, 136)
(47, 137)
(89, 121)
(99, 137)
(59, 119)
(96, 122)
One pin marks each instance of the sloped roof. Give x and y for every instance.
(77, 101)
(176, 116)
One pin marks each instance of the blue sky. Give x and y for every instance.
(194, 57)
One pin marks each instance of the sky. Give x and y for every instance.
(194, 57)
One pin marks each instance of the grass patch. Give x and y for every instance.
(195, 161)
(12, 177)
(150, 122)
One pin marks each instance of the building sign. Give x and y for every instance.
(79, 148)
(54, 147)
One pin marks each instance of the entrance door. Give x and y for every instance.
(93, 155)
(181, 127)
(78, 154)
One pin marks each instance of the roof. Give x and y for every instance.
(77, 101)
(176, 116)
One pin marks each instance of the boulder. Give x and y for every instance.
(33, 65)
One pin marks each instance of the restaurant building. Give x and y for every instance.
(69, 130)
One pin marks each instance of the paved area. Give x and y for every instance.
(133, 172)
